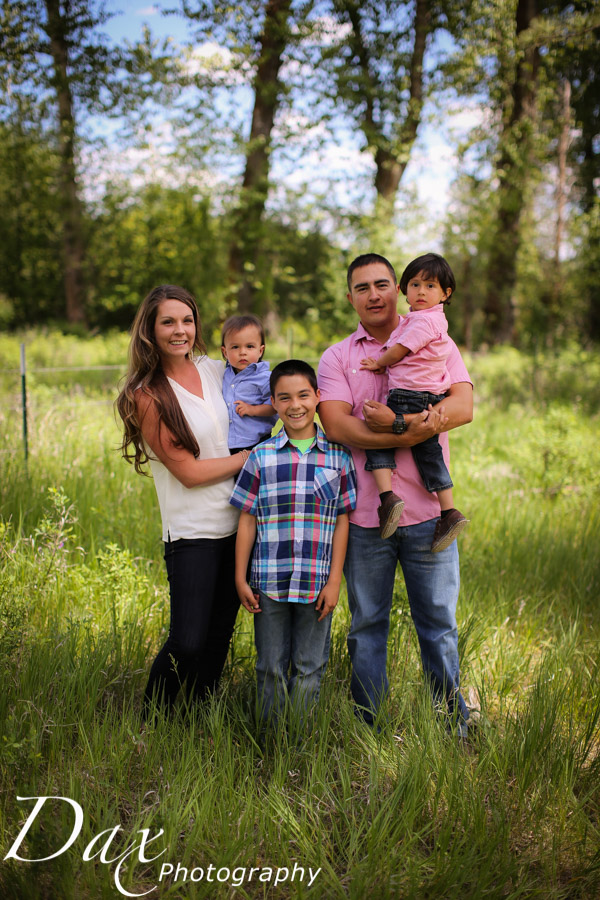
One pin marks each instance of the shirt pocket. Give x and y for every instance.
(250, 393)
(327, 484)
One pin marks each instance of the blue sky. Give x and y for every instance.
(130, 18)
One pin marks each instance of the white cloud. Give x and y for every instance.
(217, 60)
(330, 31)
(147, 11)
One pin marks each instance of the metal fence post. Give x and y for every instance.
(24, 401)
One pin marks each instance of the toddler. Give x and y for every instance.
(246, 388)
(416, 363)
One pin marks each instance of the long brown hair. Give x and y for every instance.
(145, 372)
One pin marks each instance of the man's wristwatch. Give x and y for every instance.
(399, 425)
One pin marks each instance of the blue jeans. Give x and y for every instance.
(427, 455)
(432, 584)
(292, 651)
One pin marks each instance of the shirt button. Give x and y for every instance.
(354, 371)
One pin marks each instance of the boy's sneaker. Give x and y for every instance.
(447, 529)
(389, 514)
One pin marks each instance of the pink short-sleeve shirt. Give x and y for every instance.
(425, 333)
(341, 378)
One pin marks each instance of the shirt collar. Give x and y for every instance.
(249, 368)
(361, 334)
(281, 439)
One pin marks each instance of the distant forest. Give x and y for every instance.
(93, 217)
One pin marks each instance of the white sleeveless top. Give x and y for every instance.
(203, 511)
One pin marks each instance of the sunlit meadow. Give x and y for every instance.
(409, 812)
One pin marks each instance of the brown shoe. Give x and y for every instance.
(447, 529)
(389, 515)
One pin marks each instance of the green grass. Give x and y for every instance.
(405, 814)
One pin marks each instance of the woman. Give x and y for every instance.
(175, 418)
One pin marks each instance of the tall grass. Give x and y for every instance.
(407, 813)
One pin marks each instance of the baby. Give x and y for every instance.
(246, 389)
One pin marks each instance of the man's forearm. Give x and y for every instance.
(458, 405)
(344, 428)
(341, 426)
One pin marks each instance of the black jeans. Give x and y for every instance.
(204, 605)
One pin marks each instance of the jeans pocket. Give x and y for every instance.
(327, 484)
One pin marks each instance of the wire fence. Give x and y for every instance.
(23, 372)
(22, 403)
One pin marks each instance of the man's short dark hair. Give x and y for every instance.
(367, 259)
(432, 265)
(293, 367)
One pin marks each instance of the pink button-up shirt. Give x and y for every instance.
(341, 378)
(425, 333)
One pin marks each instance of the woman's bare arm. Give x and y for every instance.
(190, 471)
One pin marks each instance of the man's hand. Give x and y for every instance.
(378, 416)
(427, 423)
(372, 365)
(327, 599)
(421, 426)
(248, 598)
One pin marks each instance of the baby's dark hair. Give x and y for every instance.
(293, 367)
(367, 259)
(433, 266)
(236, 323)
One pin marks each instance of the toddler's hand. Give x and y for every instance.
(243, 409)
(372, 365)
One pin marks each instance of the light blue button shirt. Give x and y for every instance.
(251, 385)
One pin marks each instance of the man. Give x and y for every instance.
(351, 397)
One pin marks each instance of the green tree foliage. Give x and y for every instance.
(162, 235)
(158, 235)
(260, 35)
(519, 63)
(514, 163)
(53, 64)
(378, 64)
(31, 273)
(251, 94)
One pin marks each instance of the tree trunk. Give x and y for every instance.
(554, 304)
(392, 156)
(513, 175)
(561, 187)
(71, 205)
(245, 249)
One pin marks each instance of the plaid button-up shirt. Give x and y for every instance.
(296, 498)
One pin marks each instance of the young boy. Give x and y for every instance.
(295, 492)
(246, 383)
(417, 377)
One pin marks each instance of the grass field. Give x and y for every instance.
(408, 813)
